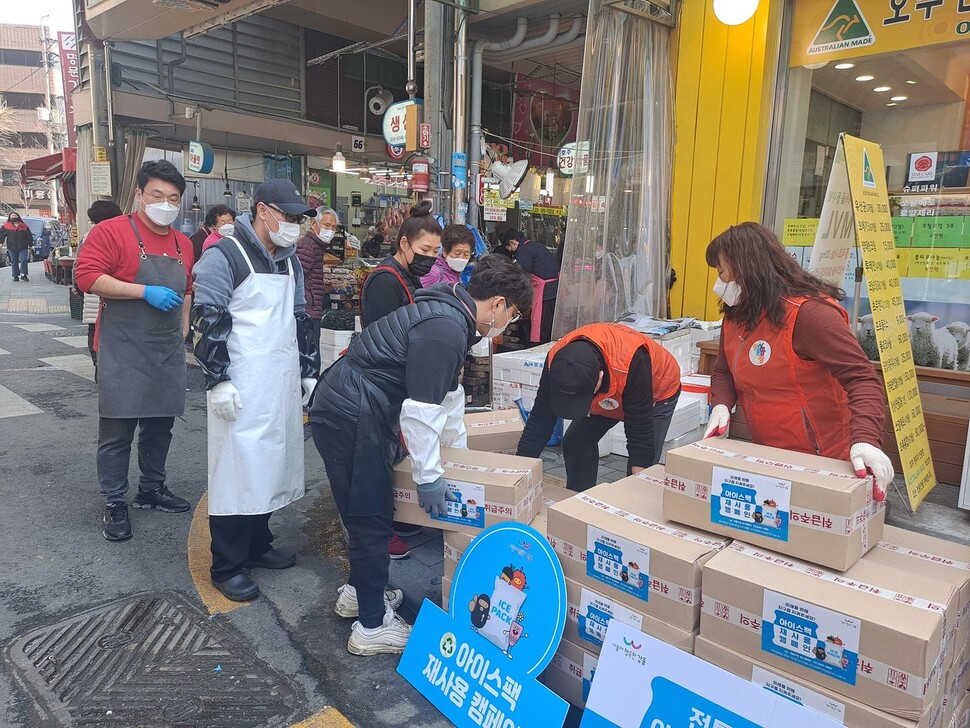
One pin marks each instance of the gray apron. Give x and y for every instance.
(141, 359)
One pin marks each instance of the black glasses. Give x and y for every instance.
(296, 219)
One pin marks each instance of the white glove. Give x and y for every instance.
(307, 384)
(867, 459)
(454, 434)
(421, 425)
(224, 401)
(720, 420)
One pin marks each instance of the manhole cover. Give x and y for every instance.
(150, 660)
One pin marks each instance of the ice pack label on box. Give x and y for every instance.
(811, 636)
(619, 562)
(759, 504)
(798, 694)
(468, 508)
(595, 614)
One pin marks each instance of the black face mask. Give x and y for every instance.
(421, 265)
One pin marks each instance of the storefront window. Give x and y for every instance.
(896, 74)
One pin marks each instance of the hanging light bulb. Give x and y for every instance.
(364, 170)
(338, 163)
(734, 12)
(228, 191)
(550, 181)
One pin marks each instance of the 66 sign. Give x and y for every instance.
(574, 158)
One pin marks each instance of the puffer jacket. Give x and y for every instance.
(310, 250)
(17, 236)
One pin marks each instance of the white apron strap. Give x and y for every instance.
(242, 250)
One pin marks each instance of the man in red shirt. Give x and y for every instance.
(141, 267)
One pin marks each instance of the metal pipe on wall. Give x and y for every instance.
(459, 172)
(412, 87)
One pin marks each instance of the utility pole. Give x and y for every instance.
(459, 156)
(437, 34)
(51, 110)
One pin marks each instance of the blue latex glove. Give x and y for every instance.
(433, 497)
(162, 297)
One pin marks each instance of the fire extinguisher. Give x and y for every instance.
(420, 175)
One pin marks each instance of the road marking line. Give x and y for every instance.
(79, 364)
(78, 342)
(13, 405)
(3, 351)
(200, 559)
(35, 328)
(329, 717)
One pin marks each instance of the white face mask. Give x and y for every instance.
(457, 264)
(326, 235)
(494, 330)
(287, 235)
(162, 213)
(729, 292)
(227, 229)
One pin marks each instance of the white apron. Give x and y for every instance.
(256, 462)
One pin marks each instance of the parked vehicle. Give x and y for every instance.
(48, 234)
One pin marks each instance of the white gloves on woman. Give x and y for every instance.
(224, 401)
(868, 458)
(720, 420)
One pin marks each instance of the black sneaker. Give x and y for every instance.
(16, 279)
(117, 527)
(25, 279)
(163, 499)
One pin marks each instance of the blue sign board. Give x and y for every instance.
(479, 662)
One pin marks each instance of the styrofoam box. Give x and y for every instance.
(698, 335)
(522, 367)
(335, 338)
(686, 418)
(678, 343)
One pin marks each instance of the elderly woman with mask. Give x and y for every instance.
(311, 249)
(457, 246)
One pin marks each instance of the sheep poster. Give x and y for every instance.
(855, 213)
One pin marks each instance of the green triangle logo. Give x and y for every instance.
(844, 27)
(868, 178)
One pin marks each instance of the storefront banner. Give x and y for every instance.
(479, 662)
(67, 47)
(544, 119)
(835, 235)
(859, 165)
(851, 28)
(641, 681)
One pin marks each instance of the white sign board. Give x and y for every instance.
(641, 681)
(101, 179)
(922, 167)
(835, 237)
(358, 144)
(394, 123)
(495, 214)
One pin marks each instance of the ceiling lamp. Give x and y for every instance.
(865, 77)
(550, 181)
(338, 163)
(899, 98)
(734, 12)
(844, 66)
(882, 89)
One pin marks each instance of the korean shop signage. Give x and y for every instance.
(830, 31)
(479, 662)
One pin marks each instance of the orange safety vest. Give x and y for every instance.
(788, 402)
(617, 343)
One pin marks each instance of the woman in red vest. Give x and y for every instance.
(599, 375)
(788, 357)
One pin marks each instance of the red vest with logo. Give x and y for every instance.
(617, 344)
(788, 402)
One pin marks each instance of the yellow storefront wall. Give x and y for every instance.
(724, 78)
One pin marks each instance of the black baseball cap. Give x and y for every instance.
(283, 194)
(573, 374)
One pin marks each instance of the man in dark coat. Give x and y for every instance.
(19, 239)
(311, 249)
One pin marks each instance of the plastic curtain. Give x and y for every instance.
(616, 255)
(135, 143)
(85, 146)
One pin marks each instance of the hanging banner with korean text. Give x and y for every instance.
(857, 185)
(67, 48)
(641, 681)
(479, 662)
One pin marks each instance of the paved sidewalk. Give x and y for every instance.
(38, 296)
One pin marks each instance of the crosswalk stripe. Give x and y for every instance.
(79, 364)
(13, 405)
(78, 342)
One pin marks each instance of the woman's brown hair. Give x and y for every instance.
(419, 222)
(766, 273)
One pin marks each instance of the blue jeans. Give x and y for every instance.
(18, 262)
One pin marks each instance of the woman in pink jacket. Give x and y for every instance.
(457, 244)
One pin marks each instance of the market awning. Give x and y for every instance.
(52, 166)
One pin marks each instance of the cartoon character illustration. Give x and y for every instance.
(518, 579)
(768, 512)
(464, 511)
(479, 608)
(515, 633)
(508, 573)
(630, 572)
(835, 652)
(472, 508)
(624, 574)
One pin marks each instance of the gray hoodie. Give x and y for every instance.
(215, 280)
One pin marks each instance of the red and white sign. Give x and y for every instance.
(67, 45)
(424, 140)
(395, 152)
(480, 189)
(922, 167)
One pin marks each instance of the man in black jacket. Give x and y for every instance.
(400, 377)
(19, 239)
(543, 268)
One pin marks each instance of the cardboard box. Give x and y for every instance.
(489, 489)
(445, 592)
(497, 431)
(615, 539)
(839, 708)
(455, 543)
(590, 612)
(552, 493)
(570, 673)
(961, 715)
(805, 506)
(954, 689)
(932, 557)
(874, 633)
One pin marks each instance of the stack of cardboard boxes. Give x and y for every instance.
(814, 599)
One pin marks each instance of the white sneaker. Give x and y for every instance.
(346, 605)
(389, 638)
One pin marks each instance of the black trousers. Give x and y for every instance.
(235, 540)
(545, 326)
(368, 535)
(580, 445)
(114, 453)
